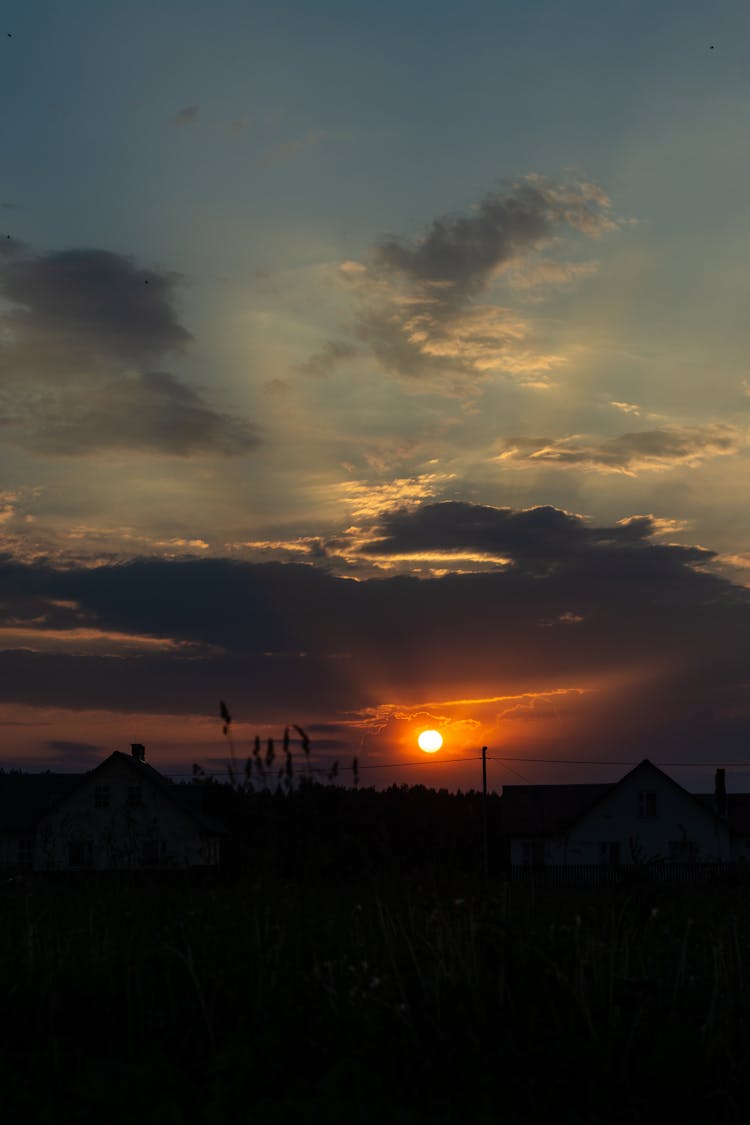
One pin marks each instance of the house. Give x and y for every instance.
(121, 815)
(645, 816)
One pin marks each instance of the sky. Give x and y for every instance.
(376, 368)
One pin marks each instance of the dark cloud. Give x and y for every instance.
(662, 639)
(78, 751)
(629, 452)
(188, 115)
(420, 312)
(540, 537)
(31, 607)
(78, 341)
(86, 305)
(151, 412)
(9, 206)
(330, 355)
(462, 254)
(441, 337)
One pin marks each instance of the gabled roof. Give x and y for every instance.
(549, 810)
(651, 768)
(186, 800)
(27, 797)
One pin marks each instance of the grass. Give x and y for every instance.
(192, 1001)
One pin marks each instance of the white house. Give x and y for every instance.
(646, 816)
(123, 814)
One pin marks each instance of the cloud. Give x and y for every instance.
(532, 710)
(77, 751)
(78, 341)
(628, 453)
(653, 640)
(71, 307)
(426, 337)
(465, 253)
(364, 501)
(626, 407)
(333, 353)
(188, 115)
(532, 537)
(544, 272)
(107, 643)
(149, 412)
(420, 309)
(309, 548)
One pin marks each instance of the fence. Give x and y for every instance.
(603, 875)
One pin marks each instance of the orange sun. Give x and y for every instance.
(430, 741)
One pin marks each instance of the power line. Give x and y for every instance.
(617, 762)
(327, 769)
(509, 762)
(396, 765)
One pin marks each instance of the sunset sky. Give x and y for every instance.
(373, 368)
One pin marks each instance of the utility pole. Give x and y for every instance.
(486, 863)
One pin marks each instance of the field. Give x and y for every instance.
(270, 999)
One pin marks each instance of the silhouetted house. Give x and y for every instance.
(645, 816)
(24, 800)
(123, 814)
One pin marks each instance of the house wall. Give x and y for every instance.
(114, 836)
(741, 848)
(521, 851)
(618, 819)
(16, 849)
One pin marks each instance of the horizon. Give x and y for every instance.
(317, 769)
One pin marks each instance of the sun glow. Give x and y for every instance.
(430, 741)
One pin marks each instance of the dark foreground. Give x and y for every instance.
(188, 1001)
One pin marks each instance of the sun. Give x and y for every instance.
(430, 741)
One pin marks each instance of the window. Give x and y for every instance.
(80, 853)
(134, 796)
(646, 804)
(609, 853)
(532, 853)
(25, 853)
(101, 797)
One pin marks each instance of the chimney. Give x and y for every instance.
(720, 794)
(138, 751)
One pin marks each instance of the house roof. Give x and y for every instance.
(548, 810)
(27, 797)
(188, 801)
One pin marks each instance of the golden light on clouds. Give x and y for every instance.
(366, 500)
(103, 642)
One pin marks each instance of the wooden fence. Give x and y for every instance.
(603, 875)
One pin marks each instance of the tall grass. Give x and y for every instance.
(186, 1000)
